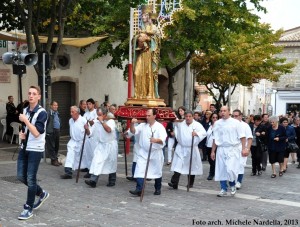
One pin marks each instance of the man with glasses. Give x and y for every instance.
(237, 114)
(229, 139)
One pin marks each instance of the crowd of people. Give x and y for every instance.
(223, 138)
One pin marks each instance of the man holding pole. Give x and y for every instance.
(184, 133)
(74, 145)
(152, 139)
(106, 151)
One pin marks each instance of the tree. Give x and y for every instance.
(203, 25)
(244, 59)
(45, 17)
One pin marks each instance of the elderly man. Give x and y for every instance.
(74, 145)
(53, 133)
(82, 107)
(229, 139)
(155, 133)
(237, 114)
(106, 151)
(184, 132)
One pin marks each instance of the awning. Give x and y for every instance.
(75, 42)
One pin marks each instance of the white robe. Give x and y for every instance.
(106, 151)
(227, 135)
(156, 158)
(90, 143)
(136, 145)
(74, 145)
(182, 154)
(248, 134)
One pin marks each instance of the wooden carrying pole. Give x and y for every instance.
(81, 153)
(146, 171)
(190, 169)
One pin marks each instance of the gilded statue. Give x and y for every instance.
(146, 58)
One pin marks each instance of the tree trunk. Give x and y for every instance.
(170, 86)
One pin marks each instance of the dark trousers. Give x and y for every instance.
(140, 183)
(52, 144)
(176, 176)
(212, 163)
(112, 177)
(133, 168)
(256, 159)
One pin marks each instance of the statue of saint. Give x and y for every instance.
(146, 58)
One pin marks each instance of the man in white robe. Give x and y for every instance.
(90, 143)
(153, 133)
(237, 114)
(229, 141)
(136, 148)
(184, 132)
(106, 151)
(74, 145)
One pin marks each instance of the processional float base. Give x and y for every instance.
(145, 102)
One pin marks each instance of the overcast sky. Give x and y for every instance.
(281, 13)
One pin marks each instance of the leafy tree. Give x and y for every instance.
(244, 59)
(45, 17)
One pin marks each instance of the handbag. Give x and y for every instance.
(293, 147)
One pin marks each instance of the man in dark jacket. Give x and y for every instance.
(53, 133)
(12, 115)
(258, 146)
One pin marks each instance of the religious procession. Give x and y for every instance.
(217, 140)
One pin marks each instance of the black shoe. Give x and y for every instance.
(90, 183)
(253, 174)
(191, 186)
(173, 185)
(84, 170)
(263, 168)
(148, 179)
(66, 176)
(130, 178)
(298, 167)
(87, 175)
(135, 192)
(110, 184)
(157, 192)
(210, 177)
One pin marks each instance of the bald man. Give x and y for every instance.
(229, 141)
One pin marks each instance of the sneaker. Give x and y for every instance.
(43, 197)
(238, 185)
(120, 156)
(26, 213)
(222, 193)
(233, 190)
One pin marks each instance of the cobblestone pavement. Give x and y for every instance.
(261, 201)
